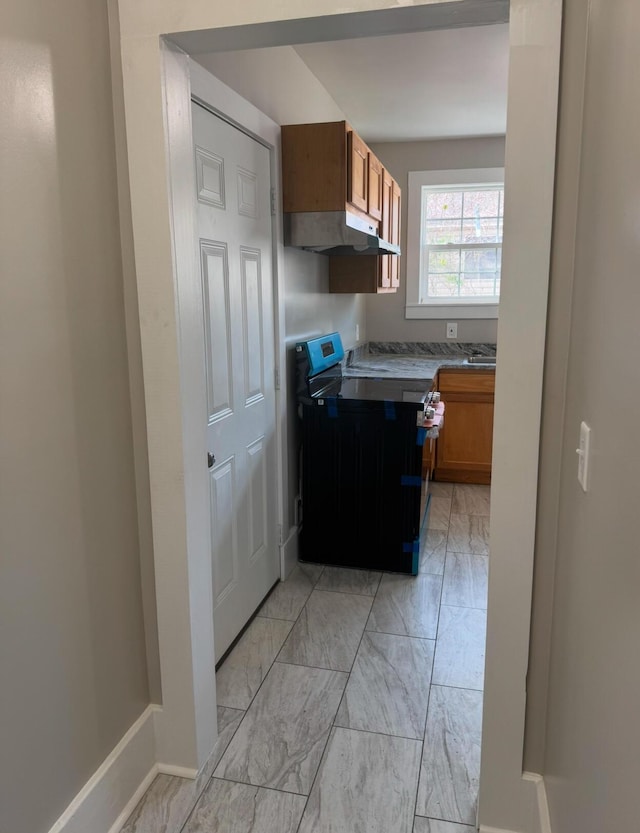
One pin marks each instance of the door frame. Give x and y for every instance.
(157, 93)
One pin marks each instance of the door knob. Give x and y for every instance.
(210, 459)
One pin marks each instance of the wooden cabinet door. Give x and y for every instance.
(357, 172)
(465, 442)
(464, 447)
(396, 196)
(375, 196)
(386, 261)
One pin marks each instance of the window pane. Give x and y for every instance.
(481, 203)
(438, 232)
(461, 240)
(444, 285)
(480, 230)
(444, 205)
(444, 261)
(480, 260)
(478, 284)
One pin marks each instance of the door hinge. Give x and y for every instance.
(273, 202)
(276, 378)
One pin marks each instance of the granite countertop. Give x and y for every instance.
(412, 360)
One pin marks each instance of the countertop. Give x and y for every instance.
(400, 362)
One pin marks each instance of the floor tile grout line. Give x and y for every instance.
(256, 786)
(210, 778)
(273, 661)
(275, 619)
(376, 732)
(355, 657)
(463, 607)
(457, 687)
(344, 592)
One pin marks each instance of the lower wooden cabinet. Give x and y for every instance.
(464, 446)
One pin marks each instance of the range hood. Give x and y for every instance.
(334, 233)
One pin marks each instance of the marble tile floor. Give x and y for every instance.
(353, 702)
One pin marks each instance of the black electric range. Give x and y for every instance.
(363, 497)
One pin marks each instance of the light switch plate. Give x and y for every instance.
(583, 455)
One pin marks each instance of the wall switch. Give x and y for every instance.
(357, 332)
(583, 455)
(452, 330)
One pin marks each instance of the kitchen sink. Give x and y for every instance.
(481, 360)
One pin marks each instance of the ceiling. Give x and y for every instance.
(422, 85)
(448, 83)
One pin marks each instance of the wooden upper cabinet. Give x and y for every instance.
(390, 264)
(327, 167)
(387, 187)
(358, 171)
(396, 199)
(314, 166)
(375, 195)
(372, 273)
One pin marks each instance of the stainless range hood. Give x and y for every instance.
(335, 233)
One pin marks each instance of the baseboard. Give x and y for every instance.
(539, 820)
(289, 552)
(109, 796)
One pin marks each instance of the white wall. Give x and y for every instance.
(72, 646)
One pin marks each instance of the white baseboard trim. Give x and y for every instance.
(109, 796)
(289, 553)
(539, 821)
(179, 771)
(542, 820)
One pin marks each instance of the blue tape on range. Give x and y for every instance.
(411, 480)
(389, 409)
(411, 546)
(415, 562)
(421, 436)
(332, 406)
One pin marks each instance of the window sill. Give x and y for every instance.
(453, 311)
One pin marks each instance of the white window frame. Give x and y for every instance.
(436, 308)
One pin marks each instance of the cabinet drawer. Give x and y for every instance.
(466, 381)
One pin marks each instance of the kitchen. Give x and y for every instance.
(150, 145)
(350, 301)
(309, 308)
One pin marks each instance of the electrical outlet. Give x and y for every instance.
(452, 330)
(357, 332)
(583, 455)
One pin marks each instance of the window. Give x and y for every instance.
(454, 243)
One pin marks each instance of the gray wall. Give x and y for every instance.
(385, 313)
(591, 760)
(72, 646)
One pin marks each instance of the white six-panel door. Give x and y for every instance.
(235, 240)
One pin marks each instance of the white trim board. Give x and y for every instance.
(539, 820)
(112, 792)
(416, 181)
